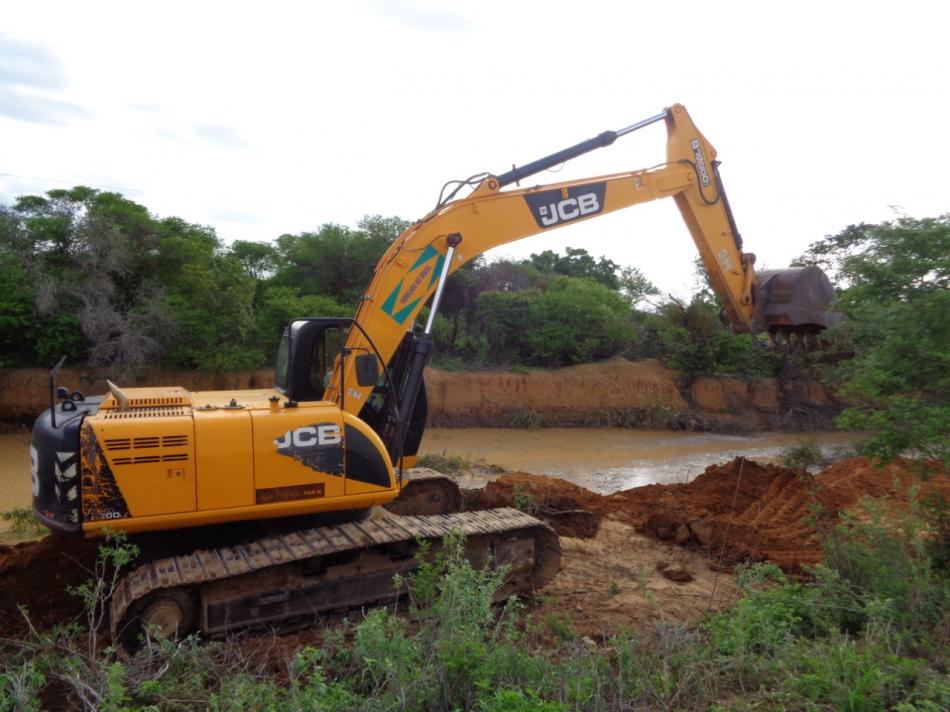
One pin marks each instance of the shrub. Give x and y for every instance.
(446, 463)
(804, 456)
(22, 521)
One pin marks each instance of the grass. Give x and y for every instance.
(526, 420)
(22, 521)
(868, 631)
(444, 462)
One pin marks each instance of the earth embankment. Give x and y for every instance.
(624, 393)
(616, 392)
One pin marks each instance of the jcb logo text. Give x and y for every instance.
(554, 207)
(310, 435)
(569, 209)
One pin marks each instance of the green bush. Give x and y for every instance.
(22, 521)
(804, 456)
(690, 338)
(446, 463)
(569, 321)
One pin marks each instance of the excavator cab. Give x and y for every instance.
(312, 348)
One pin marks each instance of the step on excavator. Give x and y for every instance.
(250, 507)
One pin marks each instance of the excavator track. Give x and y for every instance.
(426, 491)
(283, 580)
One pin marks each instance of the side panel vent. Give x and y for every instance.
(145, 442)
(149, 459)
(131, 413)
(154, 402)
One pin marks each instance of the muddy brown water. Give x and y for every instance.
(604, 460)
(14, 470)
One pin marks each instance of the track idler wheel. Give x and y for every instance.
(427, 492)
(168, 613)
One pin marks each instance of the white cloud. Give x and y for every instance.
(823, 114)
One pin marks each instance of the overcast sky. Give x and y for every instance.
(266, 118)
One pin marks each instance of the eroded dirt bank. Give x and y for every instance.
(616, 392)
(24, 392)
(624, 393)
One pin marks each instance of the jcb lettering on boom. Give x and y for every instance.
(555, 207)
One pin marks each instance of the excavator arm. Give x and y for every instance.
(416, 265)
(420, 259)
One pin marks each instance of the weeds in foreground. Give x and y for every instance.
(444, 462)
(22, 521)
(869, 631)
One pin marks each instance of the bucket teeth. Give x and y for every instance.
(791, 340)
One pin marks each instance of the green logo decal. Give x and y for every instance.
(397, 304)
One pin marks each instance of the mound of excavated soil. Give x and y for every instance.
(572, 510)
(740, 511)
(36, 575)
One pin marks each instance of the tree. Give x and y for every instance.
(691, 339)
(570, 321)
(96, 277)
(336, 261)
(635, 287)
(260, 259)
(80, 257)
(894, 282)
(578, 262)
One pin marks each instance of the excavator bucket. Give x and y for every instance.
(794, 305)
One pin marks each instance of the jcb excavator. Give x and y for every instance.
(346, 415)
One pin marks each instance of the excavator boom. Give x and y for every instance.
(411, 269)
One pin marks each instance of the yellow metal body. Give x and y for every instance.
(171, 459)
(174, 459)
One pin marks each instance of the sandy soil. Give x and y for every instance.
(619, 579)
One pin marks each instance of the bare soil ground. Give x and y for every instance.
(619, 579)
(655, 552)
(736, 512)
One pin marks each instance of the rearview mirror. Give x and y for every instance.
(367, 370)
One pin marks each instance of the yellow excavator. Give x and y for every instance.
(251, 506)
